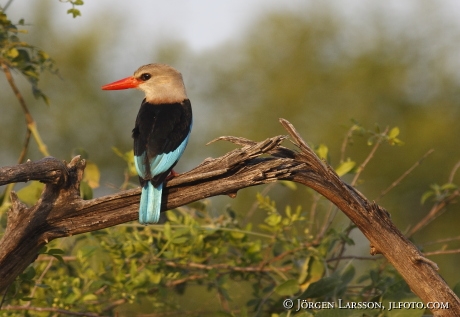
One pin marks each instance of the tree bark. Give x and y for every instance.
(60, 211)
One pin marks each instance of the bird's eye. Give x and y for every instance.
(145, 76)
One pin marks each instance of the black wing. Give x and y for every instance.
(160, 129)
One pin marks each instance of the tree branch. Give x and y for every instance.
(60, 212)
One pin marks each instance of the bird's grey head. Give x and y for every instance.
(161, 83)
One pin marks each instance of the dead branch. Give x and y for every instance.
(60, 212)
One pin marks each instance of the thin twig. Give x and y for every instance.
(441, 252)
(39, 280)
(25, 147)
(7, 5)
(4, 296)
(434, 212)
(452, 173)
(440, 241)
(223, 266)
(396, 182)
(255, 205)
(342, 244)
(313, 207)
(368, 158)
(327, 221)
(345, 143)
(114, 304)
(31, 125)
(186, 279)
(222, 300)
(353, 258)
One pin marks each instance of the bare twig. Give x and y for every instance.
(396, 182)
(441, 241)
(452, 173)
(228, 267)
(39, 280)
(313, 207)
(345, 142)
(255, 205)
(368, 158)
(25, 147)
(331, 212)
(441, 252)
(31, 125)
(5, 7)
(434, 212)
(114, 304)
(351, 257)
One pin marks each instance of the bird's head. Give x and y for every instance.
(160, 83)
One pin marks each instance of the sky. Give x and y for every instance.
(201, 24)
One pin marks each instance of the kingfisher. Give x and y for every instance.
(161, 131)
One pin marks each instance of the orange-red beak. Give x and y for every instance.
(125, 83)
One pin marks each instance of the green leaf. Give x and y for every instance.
(237, 235)
(171, 215)
(128, 157)
(448, 186)
(324, 287)
(31, 193)
(393, 133)
(55, 251)
(254, 248)
(289, 184)
(273, 219)
(322, 151)
(456, 289)
(92, 174)
(85, 251)
(304, 270)
(12, 53)
(179, 240)
(75, 13)
(89, 297)
(426, 195)
(28, 274)
(42, 285)
(345, 167)
(86, 191)
(288, 288)
(316, 269)
(167, 230)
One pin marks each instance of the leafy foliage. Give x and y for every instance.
(135, 265)
(21, 56)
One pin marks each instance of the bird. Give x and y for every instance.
(161, 132)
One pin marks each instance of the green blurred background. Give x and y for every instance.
(316, 64)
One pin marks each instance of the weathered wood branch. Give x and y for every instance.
(60, 212)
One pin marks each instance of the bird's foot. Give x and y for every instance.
(171, 175)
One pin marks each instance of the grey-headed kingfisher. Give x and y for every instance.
(161, 131)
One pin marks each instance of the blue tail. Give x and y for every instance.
(150, 205)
